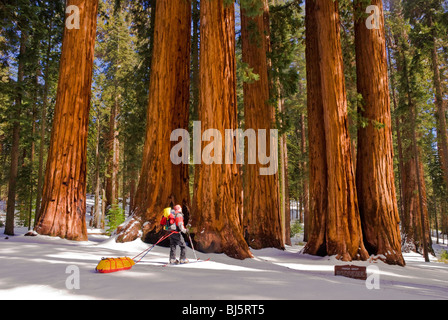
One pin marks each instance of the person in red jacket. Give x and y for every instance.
(177, 239)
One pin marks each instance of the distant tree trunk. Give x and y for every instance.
(342, 224)
(195, 59)
(162, 182)
(414, 189)
(96, 208)
(43, 129)
(262, 222)
(217, 200)
(132, 187)
(442, 133)
(11, 203)
(63, 206)
(284, 185)
(425, 235)
(375, 173)
(113, 155)
(306, 209)
(397, 128)
(33, 145)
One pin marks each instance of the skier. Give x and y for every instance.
(177, 239)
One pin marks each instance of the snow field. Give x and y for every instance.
(41, 267)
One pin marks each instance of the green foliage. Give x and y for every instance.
(115, 218)
(252, 8)
(444, 256)
(38, 27)
(296, 228)
(287, 52)
(245, 73)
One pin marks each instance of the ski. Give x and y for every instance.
(180, 264)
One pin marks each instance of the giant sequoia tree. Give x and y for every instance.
(63, 205)
(217, 202)
(316, 135)
(375, 176)
(336, 230)
(161, 182)
(262, 220)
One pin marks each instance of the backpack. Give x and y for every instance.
(168, 220)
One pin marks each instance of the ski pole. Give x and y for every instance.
(152, 247)
(192, 246)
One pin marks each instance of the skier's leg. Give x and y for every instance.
(172, 250)
(183, 251)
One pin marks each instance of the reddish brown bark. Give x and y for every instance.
(217, 200)
(63, 205)
(375, 172)
(339, 231)
(262, 222)
(415, 204)
(162, 182)
(318, 203)
(442, 133)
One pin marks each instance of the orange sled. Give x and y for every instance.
(108, 265)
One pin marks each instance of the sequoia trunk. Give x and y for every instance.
(262, 222)
(318, 202)
(341, 227)
(63, 205)
(217, 201)
(163, 183)
(375, 173)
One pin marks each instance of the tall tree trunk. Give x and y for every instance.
(316, 244)
(11, 203)
(33, 146)
(414, 189)
(217, 200)
(305, 197)
(63, 206)
(284, 185)
(425, 236)
(262, 222)
(195, 59)
(113, 155)
(397, 127)
(43, 129)
(162, 182)
(96, 208)
(442, 134)
(342, 225)
(375, 173)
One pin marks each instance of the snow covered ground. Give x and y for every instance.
(43, 267)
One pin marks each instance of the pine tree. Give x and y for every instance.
(407, 57)
(13, 171)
